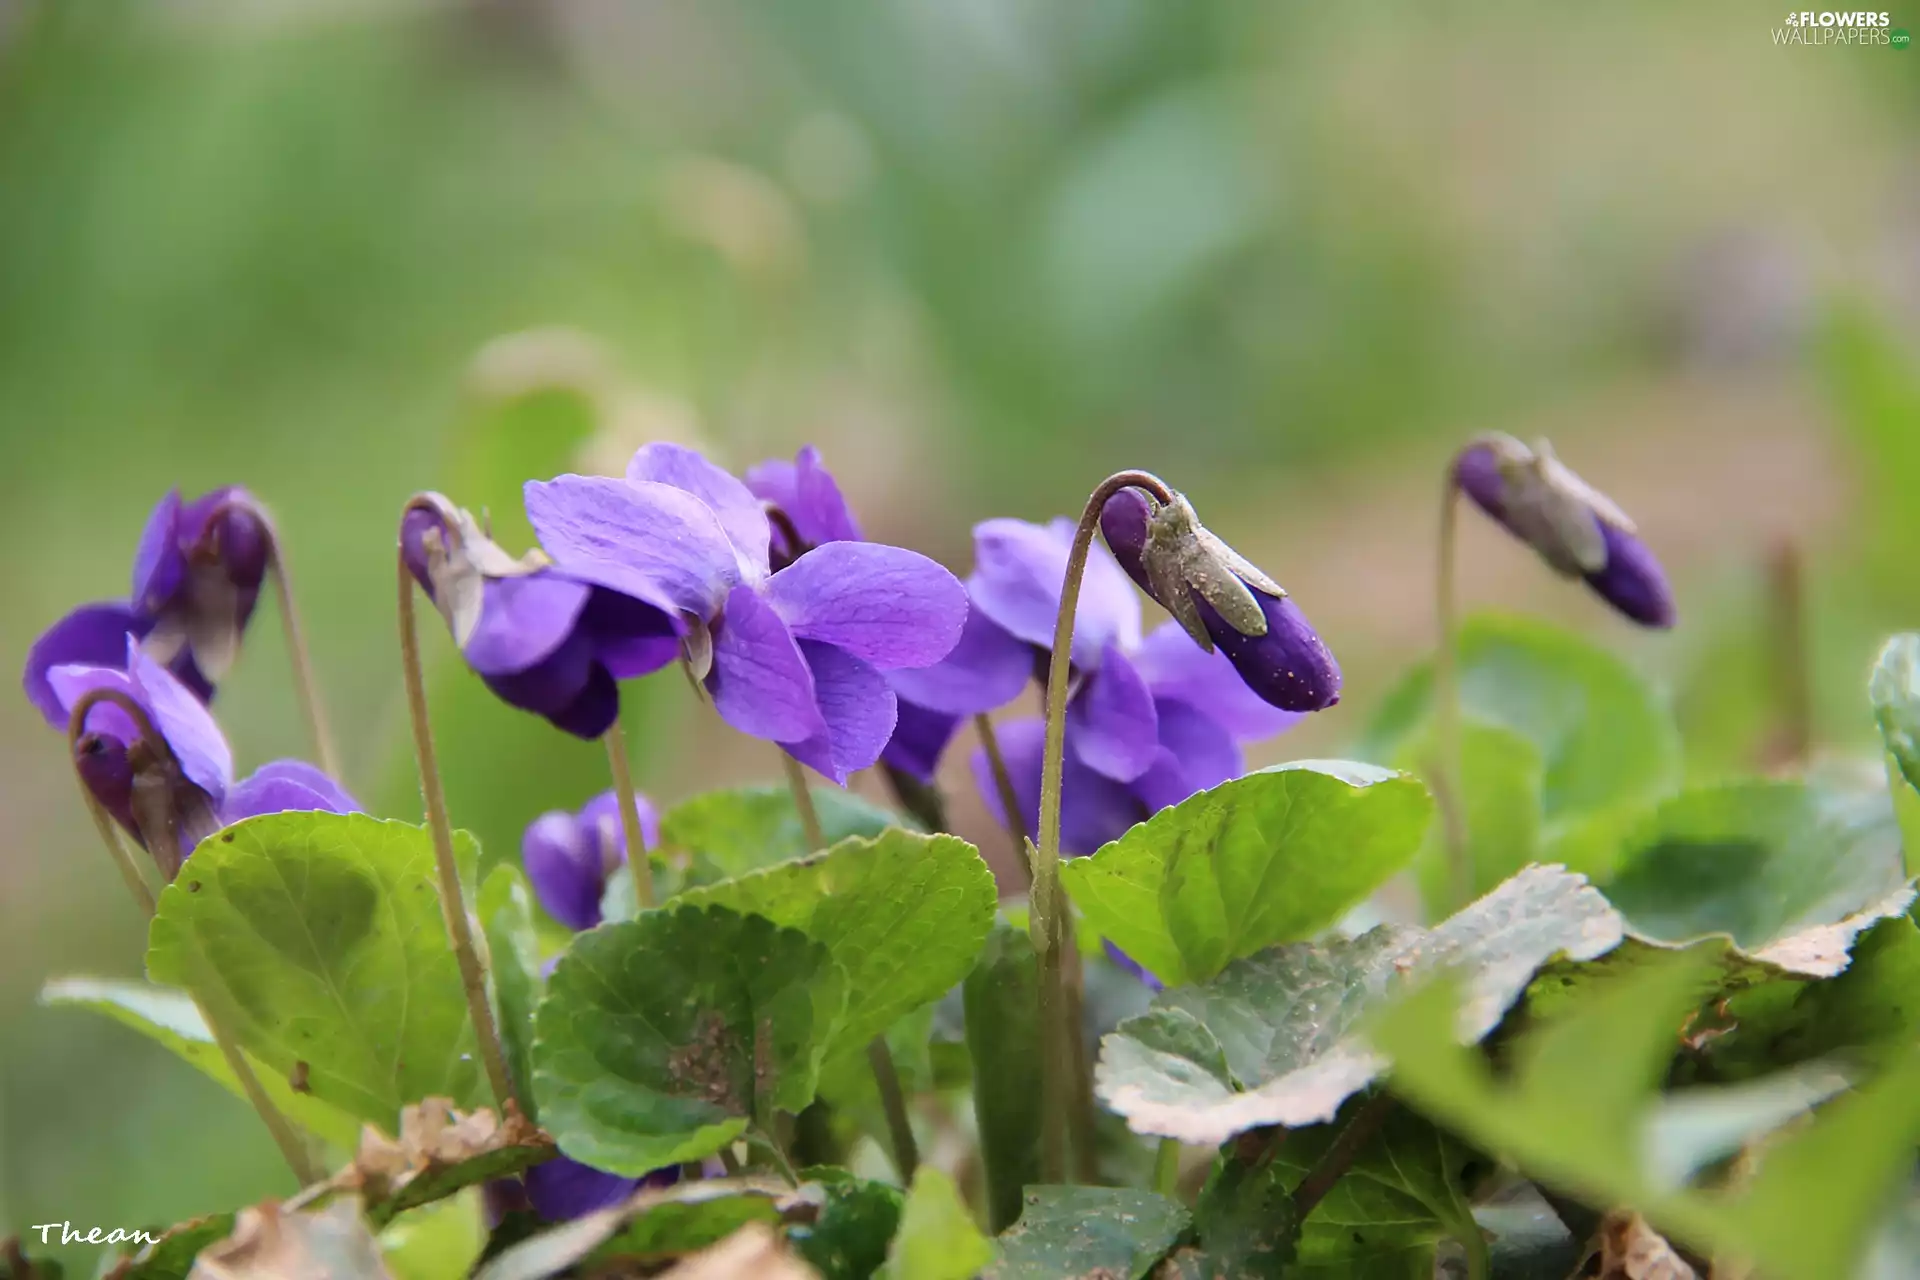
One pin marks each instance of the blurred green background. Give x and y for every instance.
(982, 252)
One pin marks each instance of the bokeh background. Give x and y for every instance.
(982, 252)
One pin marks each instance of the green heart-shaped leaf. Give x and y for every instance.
(660, 1039)
(1271, 857)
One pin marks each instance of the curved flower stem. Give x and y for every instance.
(906, 1152)
(1449, 789)
(639, 862)
(886, 1077)
(1009, 798)
(1048, 911)
(293, 1148)
(769, 1143)
(304, 685)
(453, 907)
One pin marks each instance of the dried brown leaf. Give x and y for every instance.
(271, 1242)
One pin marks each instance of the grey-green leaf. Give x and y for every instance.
(660, 1039)
(1272, 857)
(1288, 1021)
(903, 914)
(317, 938)
(1790, 871)
(1089, 1231)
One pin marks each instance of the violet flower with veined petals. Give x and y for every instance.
(569, 857)
(1576, 529)
(1222, 600)
(192, 791)
(985, 670)
(543, 640)
(797, 657)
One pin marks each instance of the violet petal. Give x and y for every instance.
(159, 566)
(285, 786)
(651, 541)
(857, 708)
(1196, 752)
(887, 605)
(561, 1189)
(732, 503)
(1019, 569)
(986, 669)
(920, 738)
(94, 635)
(1176, 667)
(565, 869)
(760, 683)
(1111, 724)
(186, 724)
(522, 621)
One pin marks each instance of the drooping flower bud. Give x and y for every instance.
(544, 640)
(1221, 599)
(1575, 528)
(197, 576)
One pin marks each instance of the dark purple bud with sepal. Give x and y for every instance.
(1575, 528)
(569, 857)
(542, 639)
(1221, 600)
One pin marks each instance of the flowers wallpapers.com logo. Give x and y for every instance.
(1853, 28)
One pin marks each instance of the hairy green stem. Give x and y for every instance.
(639, 862)
(1166, 1168)
(1448, 786)
(453, 907)
(1047, 905)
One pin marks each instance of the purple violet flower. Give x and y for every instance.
(569, 857)
(799, 656)
(197, 575)
(1574, 527)
(542, 639)
(1222, 600)
(562, 1189)
(196, 578)
(1153, 719)
(194, 792)
(985, 670)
